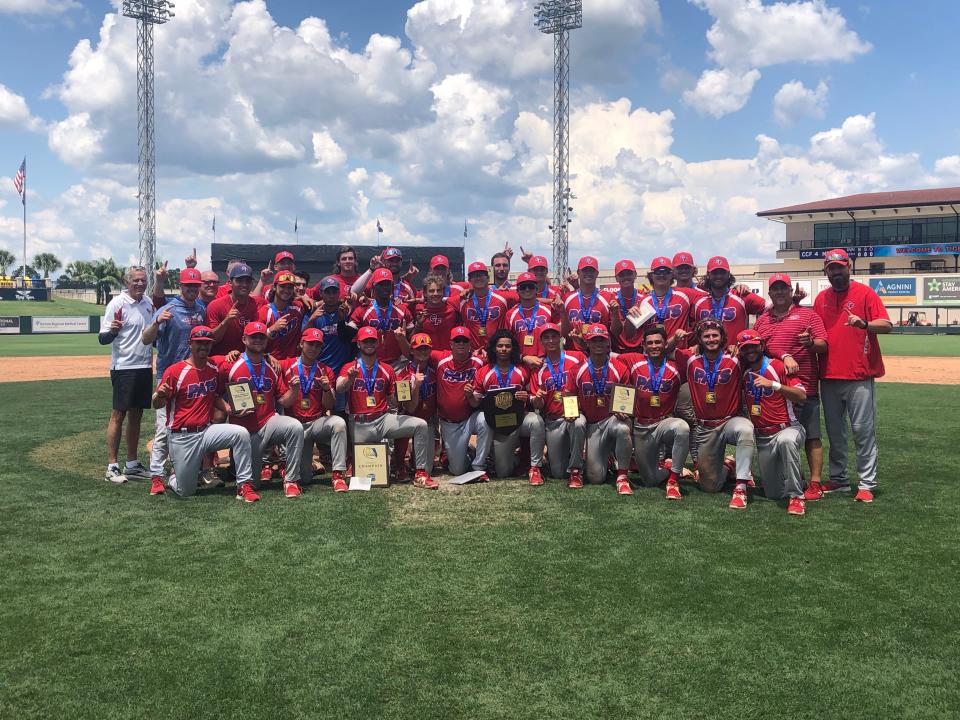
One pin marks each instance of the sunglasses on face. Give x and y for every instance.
(461, 340)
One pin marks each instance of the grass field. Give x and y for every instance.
(498, 601)
(47, 345)
(59, 306)
(931, 345)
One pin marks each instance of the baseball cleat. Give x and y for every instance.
(339, 484)
(739, 500)
(156, 485)
(423, 480)
(797, 506)
(623, 485)
(266, 473)
(834, 487)
(864, 496)
(137, 471)
(814, 491)
(535, 477)
(483, 478)
(673, 491)
(114, 475)
(291, 490)
(210, 478)
(576, 479)
(246, 493)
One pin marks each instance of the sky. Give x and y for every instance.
(687, 117)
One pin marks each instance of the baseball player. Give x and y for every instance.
(422, 378)
(283, 318)
(505, 371)
(547, 385)
(437, 314)
(714, 378)
(330, 316)
(657, 381)
(722, 304)
(586, 306)
(229, 314)
(391, 319)
(456, 375)
(451, 291)
(600, 430)
(308, 396)
(265, 426)
(685, 271)
(621, 302)
(189, 391)
(372, 386)
(392, 260)
(501, 268)
(482, 310)
(770, 395)
(537, 264)
(525, 320)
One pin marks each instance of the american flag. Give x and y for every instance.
(19, 179)
(464, 228)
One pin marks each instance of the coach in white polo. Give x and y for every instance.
(131, 372)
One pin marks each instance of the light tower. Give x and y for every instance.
(558, 18)
(147, 13)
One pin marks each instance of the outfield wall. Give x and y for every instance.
(48, 324)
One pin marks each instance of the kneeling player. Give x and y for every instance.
(770, 395)
(309, 396)
(658, 382)
(189, 391)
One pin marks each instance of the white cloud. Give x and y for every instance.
(721, 92)
(328, 155)
(37, 7)
(14, 112)
(794, 100)
(849, 144)
(947, 169)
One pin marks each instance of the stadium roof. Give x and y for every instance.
(873, 201)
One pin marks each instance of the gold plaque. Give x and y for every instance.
(507, 420)
(711, 397)
(371, 460)
(754, 409)
(623, 399)
(528, 340)
(571, 408)
(503, 401)
(241, 396)
(403, 391)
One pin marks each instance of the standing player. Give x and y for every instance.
(309, 397)
(131, 372)
(229, 314)
(437, 314)
(372, 386)
(672, 307)
(795, 335)
(586, 306)
(547, 385)
(482, 310)
(685, 270)
(501, 268)
(657, 381)
(283, 318)
(603, 432)
(402, 291)
(621, 303)
(540, 269)
(714, 378)
(723, 305)
(525, 320)
(189, 392)
(853, 316)
(390, 319)
(330, 317)
(265, 426)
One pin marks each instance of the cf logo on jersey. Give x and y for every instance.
(200, 389)
(723, 377)
(728, 314)
(434, 319)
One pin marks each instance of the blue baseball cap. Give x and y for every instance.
(329, 282)
(240, 271)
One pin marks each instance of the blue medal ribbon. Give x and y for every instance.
(557, 376)
(662, 308)
(256, 381)
(585, 312)
(503, 381)
(656, 379)
(754, 389)
(369, 380)
(623, 302)
(712, 370)
(384, 320)
(482, 316)
(546, 291)
(599, 386)
(531, 323)
(306, 382)
(716, 308)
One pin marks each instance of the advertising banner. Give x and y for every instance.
(868, 251)
(895, 290)
(9, 325)
(940, 290)
(61, 324)
(25, 294)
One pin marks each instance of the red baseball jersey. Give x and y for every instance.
(620, 341)
(403, 291)
(673, 311)
(552, 378)
(438, 322)
(726, 390)
(386, 321)
(780, 334)
(523, 323)
(452, 404)
(580, 383)
(379, 384)
(774, 408)
(232, 338)
(265, 387)
(193, 393)
(651, 406)
(852, 353)
(224, 290)
(731, 310)
(487, 378)
(286, 343)
(483, 316)
(426, 394)
(592, 309)
(308, 404)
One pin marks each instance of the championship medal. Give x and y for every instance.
(371, 401)
(601, 402)
(711, 398)
(755, 410)
(654, 401)
(557, 396)
(528, 340)
(259, 397)
(304, 404)
(482, 331)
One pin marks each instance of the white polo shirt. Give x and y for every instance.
(128, 353)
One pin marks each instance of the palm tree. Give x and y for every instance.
(107, 276)
(6, 260)
(48, 262)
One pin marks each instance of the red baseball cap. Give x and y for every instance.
(201, 332)
(588, 261)
(594, 331)
(748, 337)
(526, 277)
(254, 328)
(283, 255)
(391, 252)
(683, 258)
(286, 278)
(367, 333)
(836, 256)
(660, 262)
(476, 267)
(537, 261)
(190, 276)
(420, 340)
(779, 277)
(624, 265)
(439, 261)
(718, 262)
(459, 332)
(382, 275)
(549, 327)
(312, 335)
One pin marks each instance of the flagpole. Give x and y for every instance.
(24, 276)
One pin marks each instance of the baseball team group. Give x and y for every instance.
(364, 357)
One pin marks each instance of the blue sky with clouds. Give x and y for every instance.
(688, 116)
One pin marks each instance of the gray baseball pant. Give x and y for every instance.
(684, 411)
(559, 433)
(278, 430)
(188, 449)
(391, 426)
(647, 440)
(602, 438)
(856, 399)
(505, 446)
(713, 442)
(456, 436)
(780, 463)
(160, 450)
(578, 441)
(330, 429)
